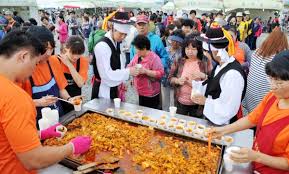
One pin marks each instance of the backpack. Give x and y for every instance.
(94, 38)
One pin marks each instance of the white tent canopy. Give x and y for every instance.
(100, 3)
(198, 4)
(169, 6)
(227, 4)
(254, 4)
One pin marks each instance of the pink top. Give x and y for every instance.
(190, 67)
(147, 86)
(63, 32)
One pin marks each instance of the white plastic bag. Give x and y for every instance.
(198, 88)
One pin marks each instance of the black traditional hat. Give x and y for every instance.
(214, 35)
(121, 18)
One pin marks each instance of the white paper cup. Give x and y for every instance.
(191, 124)
(117, 102)
(78, 107)
(189, 131)
(173, 111)
(138, 66)
(139, 113)
(232, 148)
(164, 117)
(152, 122)
(45, 112)
(62, 130)
(43, 123)
(110, 111)
(183, 122)
(174, 120)
(200, 129)
(228, 163)
(228, 140)
(197, 135)
(171, 126)
(179, 129)
(161, 124)
(53, 118)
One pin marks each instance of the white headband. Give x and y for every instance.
(221, 52)
(123, 28)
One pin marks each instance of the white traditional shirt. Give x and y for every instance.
(221, 110)
(109, 78)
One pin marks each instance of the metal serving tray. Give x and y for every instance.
(73, 164)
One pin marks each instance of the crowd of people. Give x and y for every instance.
(165, 56)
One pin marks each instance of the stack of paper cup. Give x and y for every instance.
(53, 117)
(43, 124)
(229, 164)
(173, 111)
(45, 112)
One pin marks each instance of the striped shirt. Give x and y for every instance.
(258, 85)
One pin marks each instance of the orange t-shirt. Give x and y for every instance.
(18, 131)
(83, 68)
(280, 145)
(42, 76)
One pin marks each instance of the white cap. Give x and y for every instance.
(123, 28)
(239, 14)
(247, 12)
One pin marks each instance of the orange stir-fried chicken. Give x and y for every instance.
(149, 151)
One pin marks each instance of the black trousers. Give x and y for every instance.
(151, 102)
(189, 110)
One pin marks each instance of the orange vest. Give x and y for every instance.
(239, 54)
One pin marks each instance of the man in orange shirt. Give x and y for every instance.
(270, 153)
(20, 149)
(75, 68)
(48, 81)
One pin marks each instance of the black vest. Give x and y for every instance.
(114, 63)
(213, 82)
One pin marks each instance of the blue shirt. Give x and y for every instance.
(157, 47)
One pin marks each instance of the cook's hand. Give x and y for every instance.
(65, 60)
(80, 144)
(50, 132)
(198, 75)
(244, 155)
(75, 98)
(181, 81)
(134, 71)
(199, 99)
(46, 101)
(217, 132)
